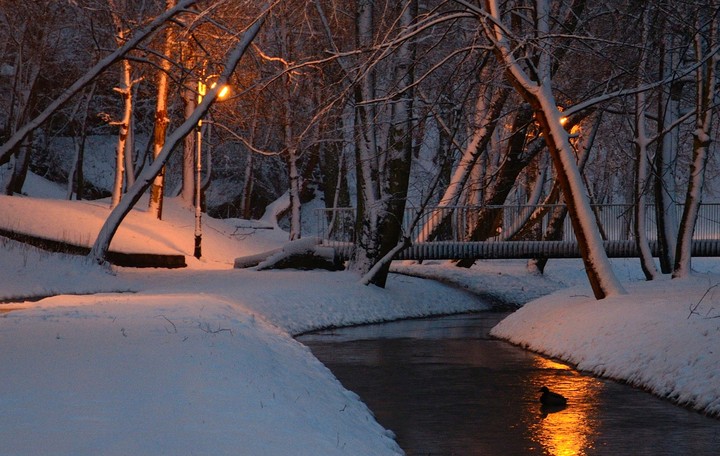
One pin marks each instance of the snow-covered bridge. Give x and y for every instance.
(439, 233)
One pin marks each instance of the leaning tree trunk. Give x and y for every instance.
(539, 95)
(485, 120)
(555, 229)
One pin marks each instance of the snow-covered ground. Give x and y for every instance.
(202, 360)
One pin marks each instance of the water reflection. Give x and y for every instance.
(568, 430)
(446, 388)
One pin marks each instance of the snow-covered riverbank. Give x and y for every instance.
(201, 360)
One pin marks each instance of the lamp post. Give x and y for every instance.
(202, 89)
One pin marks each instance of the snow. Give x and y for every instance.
(665, 339)
(202, 360)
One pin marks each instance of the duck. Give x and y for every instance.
(551, 398)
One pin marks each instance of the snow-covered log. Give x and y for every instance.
(305, 253)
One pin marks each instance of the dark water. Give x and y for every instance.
(445, 388)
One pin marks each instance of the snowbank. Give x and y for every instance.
(192, 361)
(663, 337)
(169, 374)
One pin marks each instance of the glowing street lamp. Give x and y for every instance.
(563, 119)
(222, 93)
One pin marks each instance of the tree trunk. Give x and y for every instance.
(383, 154)
(641, 180)
(125, 91)
(399, 155)
(248, 180)
(20, 168)
(77, 179)
(187, 192)
(294, 181)
(366, 154)
(705, 80)
(161, 119)
(647, 263)
(666, 213)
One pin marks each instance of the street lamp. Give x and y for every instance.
(222, 93)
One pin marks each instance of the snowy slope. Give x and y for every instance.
(201, 360)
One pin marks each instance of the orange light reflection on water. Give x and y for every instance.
(569, 430)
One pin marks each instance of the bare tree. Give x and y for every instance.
(383, 147)
(100, 248)
(8, 147)
(708, 55)
(534, 83)
(161, 117)
(642, 159)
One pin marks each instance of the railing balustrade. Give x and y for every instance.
(335, 226)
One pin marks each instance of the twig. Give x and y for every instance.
(693, 309)
(173, 325)
(206, 328)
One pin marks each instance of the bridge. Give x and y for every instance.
(335, 228)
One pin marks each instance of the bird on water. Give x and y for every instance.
(551, 398)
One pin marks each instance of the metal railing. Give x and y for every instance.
(336, 226)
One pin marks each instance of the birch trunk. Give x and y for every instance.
(125, 91)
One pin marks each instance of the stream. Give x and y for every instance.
(445, 387)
